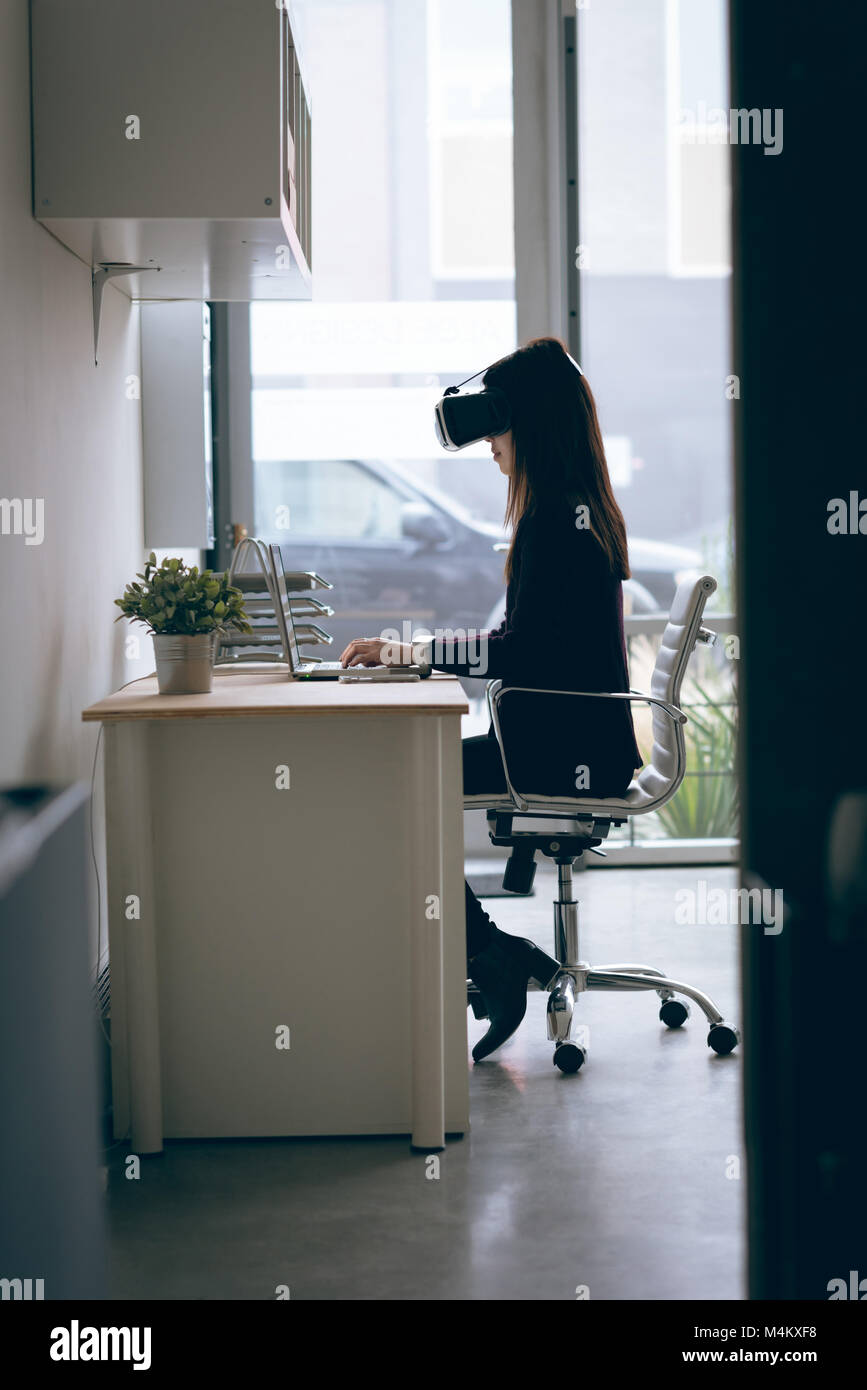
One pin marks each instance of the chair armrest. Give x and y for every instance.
(496, 693)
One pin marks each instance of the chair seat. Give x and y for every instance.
(641, 795)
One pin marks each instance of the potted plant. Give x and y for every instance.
(185, 610)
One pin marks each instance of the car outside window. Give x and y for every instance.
(326, 498)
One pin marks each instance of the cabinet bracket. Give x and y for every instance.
(100, 274)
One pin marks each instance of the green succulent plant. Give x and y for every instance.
(181, 600)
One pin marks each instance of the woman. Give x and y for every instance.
(563, 630)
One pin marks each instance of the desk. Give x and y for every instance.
(286, 909)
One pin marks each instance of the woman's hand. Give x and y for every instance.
(372, 651)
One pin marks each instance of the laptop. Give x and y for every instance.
(325, 670)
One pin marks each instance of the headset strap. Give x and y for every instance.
(451, 390)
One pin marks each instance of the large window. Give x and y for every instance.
(653, 224)
(414, 290)
(653, 218)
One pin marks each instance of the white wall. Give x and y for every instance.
(69, 435)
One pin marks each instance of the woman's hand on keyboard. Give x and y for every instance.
(372, 651)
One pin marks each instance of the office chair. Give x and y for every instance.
(582, 823)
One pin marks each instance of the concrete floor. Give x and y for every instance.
(617, 1178)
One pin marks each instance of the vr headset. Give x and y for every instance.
(461, 420)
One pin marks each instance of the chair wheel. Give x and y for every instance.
(723, 1038)
(673, 1013)
(569, 1056)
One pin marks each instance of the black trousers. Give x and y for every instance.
(483, 772)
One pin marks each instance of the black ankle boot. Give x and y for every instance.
(502, 972)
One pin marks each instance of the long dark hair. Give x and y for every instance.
(558, 445)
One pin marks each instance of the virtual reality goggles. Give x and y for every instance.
(463, 418)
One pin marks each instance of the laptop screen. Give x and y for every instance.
(283, 614)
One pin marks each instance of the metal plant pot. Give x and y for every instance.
(185, 664)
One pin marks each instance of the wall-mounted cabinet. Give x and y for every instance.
(175, 134)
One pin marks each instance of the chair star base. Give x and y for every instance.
(576, 976)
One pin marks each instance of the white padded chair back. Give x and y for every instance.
(659, 779)
(679, 637)
(675, 649)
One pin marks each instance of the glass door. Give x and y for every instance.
(649, 198)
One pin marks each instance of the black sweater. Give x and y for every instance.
(563, 630)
